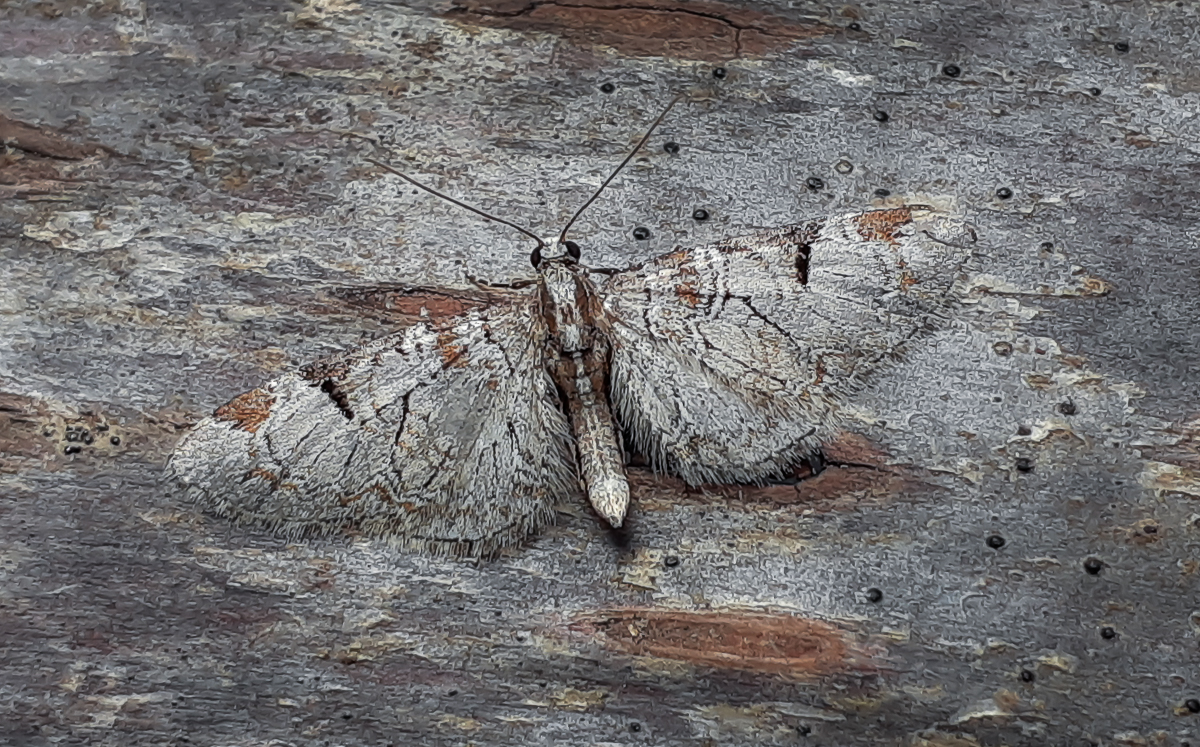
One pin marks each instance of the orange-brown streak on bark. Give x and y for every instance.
(43, 142)
(411, 303)
(706, 31)
(750, 641)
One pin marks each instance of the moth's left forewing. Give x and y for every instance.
(909, 253)
(729, 360)
(877, 281)
(704, 378)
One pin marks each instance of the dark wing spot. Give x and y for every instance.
(403, 416)
(338, 397)
(803, 254)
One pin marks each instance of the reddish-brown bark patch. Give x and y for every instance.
(22, 177)
(247, 411)
(857, 475)
(705, 31)
(751, 641)
(883, 225)
(412, 303)
(44, 142)
(851, 448)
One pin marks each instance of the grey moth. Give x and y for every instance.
(459, 432)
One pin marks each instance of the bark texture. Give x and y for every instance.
(1004, 549)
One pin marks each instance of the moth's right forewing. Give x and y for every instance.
(446, 436)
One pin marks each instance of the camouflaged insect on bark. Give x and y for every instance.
(459, 433)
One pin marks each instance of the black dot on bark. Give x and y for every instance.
(719, 73)
(995, 541)
(874, 595)
(882, 192)
(1024, 464)
(1108, 633)
(641, 234)
(671, 147)
(881, 116)
(1027, 676)
(1192, 704)
(671, 561)
(1023, 430)
(607, 87)
(1067, 408)
(700, 214)
(815, 183)
(635, 727)
(1093, 566)
(1094, 91)
(1121, 47)
(1002, 348)
(1004, 193)
(951, 71)
(855, 27)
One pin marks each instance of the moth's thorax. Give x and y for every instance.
(568, 304)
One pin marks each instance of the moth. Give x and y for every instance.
(458, 433)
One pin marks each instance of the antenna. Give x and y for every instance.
(562, 237)
(447, 198)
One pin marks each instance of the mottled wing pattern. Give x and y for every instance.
(447, 436)
(728, 360)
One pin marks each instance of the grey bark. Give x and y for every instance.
(187, 213)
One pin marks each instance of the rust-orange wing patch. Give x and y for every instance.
(883, 225)
(761, 642)
(247, 411)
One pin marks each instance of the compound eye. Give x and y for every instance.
(536, 257)
(572, 249)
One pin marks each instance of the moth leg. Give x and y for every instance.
(817, 462)
(581, 376)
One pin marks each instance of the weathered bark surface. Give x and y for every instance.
(187, 212)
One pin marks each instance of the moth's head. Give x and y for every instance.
(569, 253)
